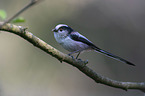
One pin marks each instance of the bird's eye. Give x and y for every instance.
(61, 29)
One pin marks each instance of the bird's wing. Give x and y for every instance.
(78, 37)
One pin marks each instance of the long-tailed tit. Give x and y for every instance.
(76, 43)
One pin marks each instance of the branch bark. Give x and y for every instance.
(81, 65)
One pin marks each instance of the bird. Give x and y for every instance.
(74, 42)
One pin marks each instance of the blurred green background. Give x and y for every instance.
(117, 26)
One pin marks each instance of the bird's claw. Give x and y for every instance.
(79, 59)
(71, 56)
(86, 62)
(68, 54)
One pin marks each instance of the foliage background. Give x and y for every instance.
(114, 25)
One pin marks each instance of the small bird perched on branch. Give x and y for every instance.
(74, 42)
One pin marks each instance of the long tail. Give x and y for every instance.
(113, 56)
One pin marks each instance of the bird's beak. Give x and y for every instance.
(54, 30)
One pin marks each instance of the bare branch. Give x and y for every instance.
(81, 65)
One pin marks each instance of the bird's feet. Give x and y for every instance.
(86, 62)
(71, 56)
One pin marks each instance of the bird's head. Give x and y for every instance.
(62, 29)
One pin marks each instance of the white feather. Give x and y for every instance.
(60, 25)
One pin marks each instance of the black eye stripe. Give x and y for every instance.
(66, 28)
(62, 28)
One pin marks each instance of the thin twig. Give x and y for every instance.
(33, 2)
